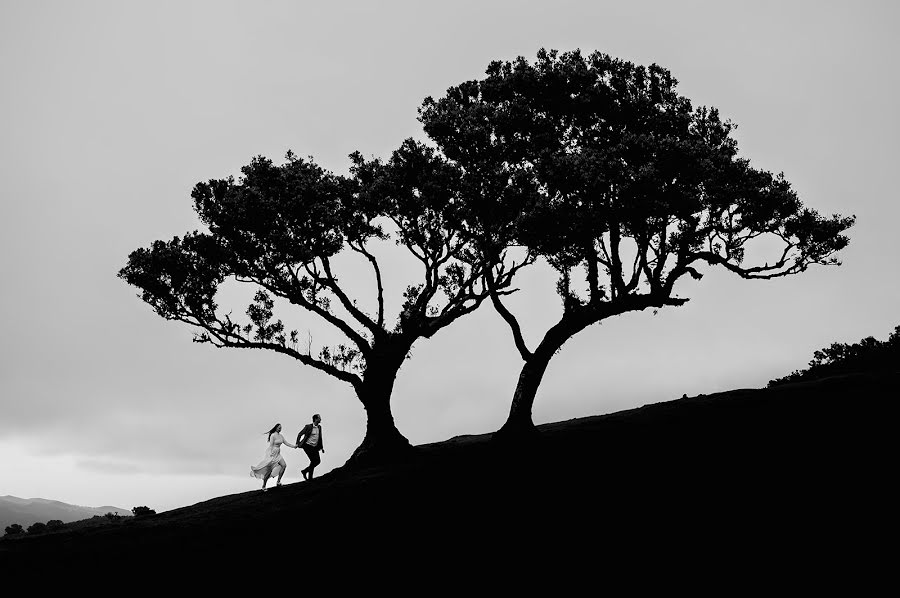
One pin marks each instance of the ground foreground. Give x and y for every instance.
(758, 476)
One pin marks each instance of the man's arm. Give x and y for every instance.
(304, 431)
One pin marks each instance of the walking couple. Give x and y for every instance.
(272, 465)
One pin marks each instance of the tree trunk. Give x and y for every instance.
(383, 442)
(519, 425)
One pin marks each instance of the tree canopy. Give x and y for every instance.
(601, 168)
(280, 227)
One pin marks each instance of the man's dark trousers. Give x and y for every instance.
(313, 454)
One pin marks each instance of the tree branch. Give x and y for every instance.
(615, 274)
(636, 266)
(661, 252)
(298, 299)
(593, 275)
(757, 272)
(507, 316)
(230, 339)
(354, 311)
(361, 249)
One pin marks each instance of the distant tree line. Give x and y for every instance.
(33, 529)
(593, 165)
(868, 355)
(16, 529)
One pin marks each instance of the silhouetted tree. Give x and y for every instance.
(37, 528)
(54, 524)
(868, 355)
(601, 168)
(14, 529)
(279, 228)
(143, 511)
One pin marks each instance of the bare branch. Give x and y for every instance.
(233, 340)
(661, 252)
(635, 267)
(354, 311)
(508, 317)
(758, 272)
(593, 275)
(361, 249)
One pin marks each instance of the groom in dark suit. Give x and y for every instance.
(310, 439)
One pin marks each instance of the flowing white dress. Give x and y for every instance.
(273, 463)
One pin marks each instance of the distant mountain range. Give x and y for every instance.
(26, 511)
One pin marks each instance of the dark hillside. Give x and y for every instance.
(797, 468)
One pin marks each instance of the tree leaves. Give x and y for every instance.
(180, 277)
(260, 314)
(592, 158)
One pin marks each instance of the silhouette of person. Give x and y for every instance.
(273, 463)
(310, 440)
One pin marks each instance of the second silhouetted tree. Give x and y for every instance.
(598, 166)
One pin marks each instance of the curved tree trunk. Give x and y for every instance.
(383, 442)
(519, 426)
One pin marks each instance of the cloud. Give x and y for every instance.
(216, 430)
(106, 466)
(157, 467)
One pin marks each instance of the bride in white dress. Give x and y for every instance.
(273, 463)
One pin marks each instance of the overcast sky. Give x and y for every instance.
(110, 112)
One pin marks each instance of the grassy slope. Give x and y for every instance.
(798, 467)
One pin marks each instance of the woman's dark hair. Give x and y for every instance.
(270, 432)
